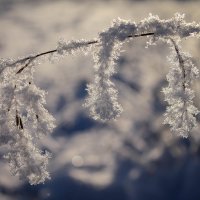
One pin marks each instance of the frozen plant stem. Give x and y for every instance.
(181, 112)
(29, 59)
(181, 63)
(24, 118)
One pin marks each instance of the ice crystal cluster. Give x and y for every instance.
(24, 118)
(181, 112)
(102, 100)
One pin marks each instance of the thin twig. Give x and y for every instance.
(181, 62)
(31, 58)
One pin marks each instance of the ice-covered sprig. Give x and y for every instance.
(23, 118)
(102, 100)
(181, 112)
(25, 159)
(165, 28)
(71, 47)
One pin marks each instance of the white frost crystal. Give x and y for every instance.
(70, 47)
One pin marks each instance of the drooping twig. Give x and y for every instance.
(181, 62)
(181, 112)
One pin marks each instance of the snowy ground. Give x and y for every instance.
(135, 157)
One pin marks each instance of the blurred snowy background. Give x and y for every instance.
(134, 158)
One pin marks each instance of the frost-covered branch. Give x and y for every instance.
(181, 112)
(24, 118)
(29, 59)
